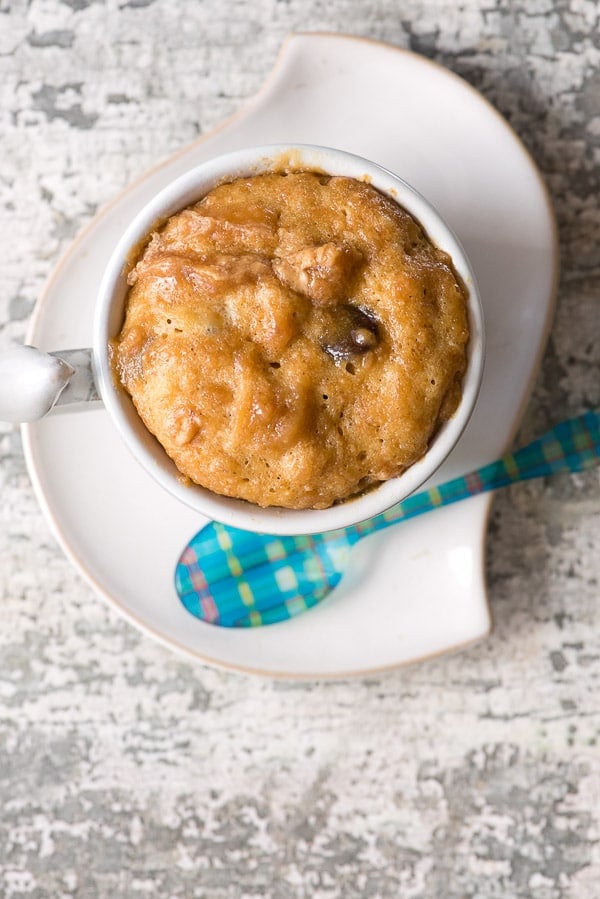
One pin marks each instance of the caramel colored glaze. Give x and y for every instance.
(293, 339)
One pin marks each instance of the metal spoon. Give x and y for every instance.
(32, 382)
(236, 578)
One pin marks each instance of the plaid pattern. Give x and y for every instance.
(237, 578)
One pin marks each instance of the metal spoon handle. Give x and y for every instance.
(33, 382)
(572, 445)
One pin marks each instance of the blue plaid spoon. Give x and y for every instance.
(236, 578)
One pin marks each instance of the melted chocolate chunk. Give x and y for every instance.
(350, 331)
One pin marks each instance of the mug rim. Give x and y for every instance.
(189, 188)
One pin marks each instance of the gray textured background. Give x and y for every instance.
(126, 772)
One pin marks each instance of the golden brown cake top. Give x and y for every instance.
(293, 339)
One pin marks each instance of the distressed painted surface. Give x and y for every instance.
(126, 772)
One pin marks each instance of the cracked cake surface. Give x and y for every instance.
(293, 339)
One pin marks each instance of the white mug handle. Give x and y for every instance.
(32, 382)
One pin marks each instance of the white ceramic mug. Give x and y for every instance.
(32, 382)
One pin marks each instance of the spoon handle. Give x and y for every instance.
(572, 445)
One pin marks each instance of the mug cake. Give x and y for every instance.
(293, 339)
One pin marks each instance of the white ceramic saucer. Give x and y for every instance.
(417, 590)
